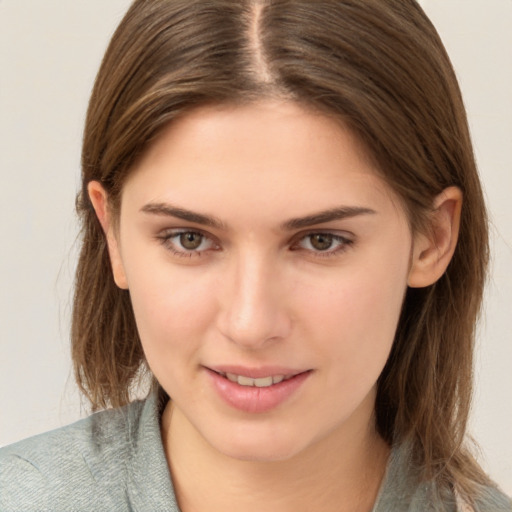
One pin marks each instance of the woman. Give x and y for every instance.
(283, 229)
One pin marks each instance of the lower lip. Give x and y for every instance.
(253, 399)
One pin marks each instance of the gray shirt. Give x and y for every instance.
(114, 460)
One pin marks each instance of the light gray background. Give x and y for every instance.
(49, 54)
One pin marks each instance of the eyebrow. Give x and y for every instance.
(326, 216)
(181, 213)
(329, 215)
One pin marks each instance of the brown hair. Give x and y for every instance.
(378, 66)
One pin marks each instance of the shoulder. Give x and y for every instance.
(405, 490)
(491, 499)
(65, 467)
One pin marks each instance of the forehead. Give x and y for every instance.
(268, 127)
(271, 152)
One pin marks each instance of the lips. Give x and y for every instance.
(256, 390)
(261, 382)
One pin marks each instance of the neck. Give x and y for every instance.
(338, 473)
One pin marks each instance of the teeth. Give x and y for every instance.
(246, 381)
(264, 382)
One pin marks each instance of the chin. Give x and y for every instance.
(262, 447)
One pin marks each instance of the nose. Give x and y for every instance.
(254, 306)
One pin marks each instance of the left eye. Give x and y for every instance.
(187, 242)
(323, 242)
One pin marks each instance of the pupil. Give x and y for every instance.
(321, 242)
(190, 240)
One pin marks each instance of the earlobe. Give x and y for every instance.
(99, 200)
(433, 250)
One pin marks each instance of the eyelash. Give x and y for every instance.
(343, 244)
(166, 239)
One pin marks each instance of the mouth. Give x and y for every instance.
(257, 390)
(261, 382)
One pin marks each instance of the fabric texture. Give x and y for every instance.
(114, 460)
(403, 491)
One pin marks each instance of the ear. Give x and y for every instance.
(99, 200)
(433, 250)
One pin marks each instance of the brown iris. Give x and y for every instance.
(191, 240)
(321, 242)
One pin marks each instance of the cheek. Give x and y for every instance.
(353, 316)
(168, 310)
(172, 305)
(173, 316)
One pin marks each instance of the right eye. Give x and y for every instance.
(323, 244)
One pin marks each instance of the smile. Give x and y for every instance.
(256, 390)
(263, 382)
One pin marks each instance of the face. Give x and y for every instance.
(267, 263)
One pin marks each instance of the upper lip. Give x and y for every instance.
(256, 372)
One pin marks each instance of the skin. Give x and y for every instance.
(259, 292)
